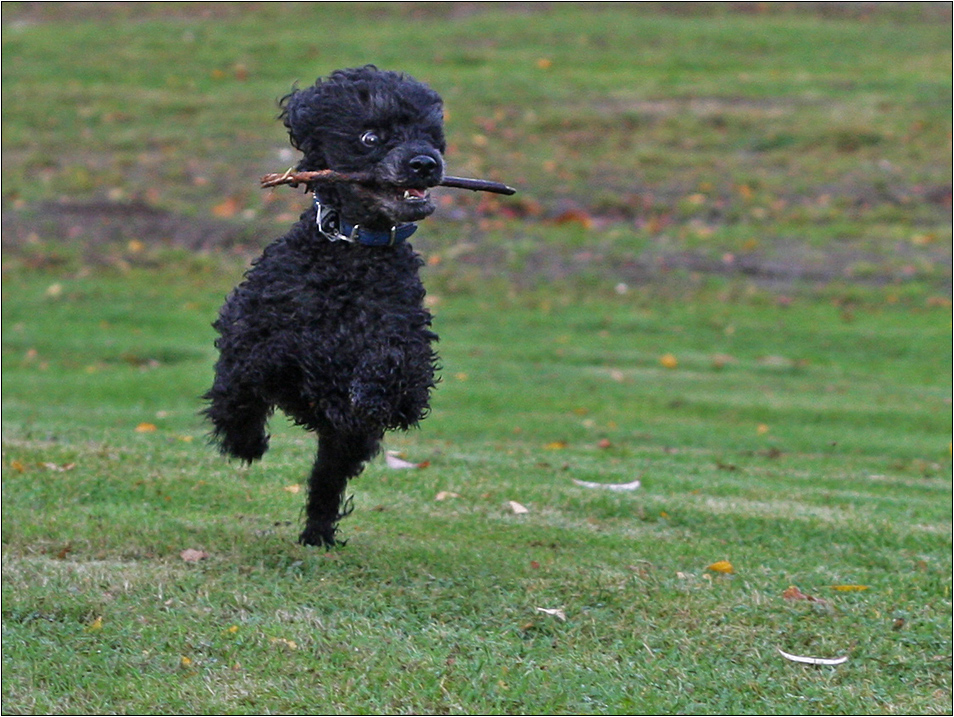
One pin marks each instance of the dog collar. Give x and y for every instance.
(334, 228)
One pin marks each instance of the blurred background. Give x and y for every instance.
(780, 142)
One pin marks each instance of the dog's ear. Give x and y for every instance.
(299, 114)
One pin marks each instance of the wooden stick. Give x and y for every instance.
(478, 185)
(329, 176)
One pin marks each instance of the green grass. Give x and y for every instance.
(796, 425)
(817, 455)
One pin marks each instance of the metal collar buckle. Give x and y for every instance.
(331, 226)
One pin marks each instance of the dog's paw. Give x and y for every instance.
(246, 448)
(321, 535)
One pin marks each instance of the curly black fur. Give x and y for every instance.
(335, 334)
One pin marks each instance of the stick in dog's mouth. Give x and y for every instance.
(329, 176)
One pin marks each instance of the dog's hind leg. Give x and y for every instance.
(340, 457)
(238, 417)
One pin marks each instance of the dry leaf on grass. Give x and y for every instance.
(146, 428)
(295, 488)
(813, 660)
(191, 555)
(793, 593)
(668, 361)
(66, 550)
(849, 588)
(227, 208)
(445, 494)
(58, 468)
(517, 508)
(556, 612)
(282, 642)
(608, 486)
(394, 460)
(721, 566)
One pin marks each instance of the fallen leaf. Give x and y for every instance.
(721, 566)
(185, 662)
(293, 488)
(577, 216)
(517, 508)
(556, 612)
(609, 486)
(287, 644)
(668, 361)
(146, 428)
(762, 429)
(849, 588)
(394, 460)
(813, 660)
(793, 593)
(445, 494)
(58, 468)
(604, 443)
(226, 209)
(95, 625)
(193, 556)
(17, 466)
(719, 361)
(556, 445)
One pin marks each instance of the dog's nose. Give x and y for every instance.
(423, 165)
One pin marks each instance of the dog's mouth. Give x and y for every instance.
(413, 196)
(384, 205)
(404, 204)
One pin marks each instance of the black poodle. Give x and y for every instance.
(329, 323)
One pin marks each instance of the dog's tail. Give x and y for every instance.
(238, 420)
(340, 458)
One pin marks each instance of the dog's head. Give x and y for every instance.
(381, 123)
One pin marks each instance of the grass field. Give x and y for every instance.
(727, 274)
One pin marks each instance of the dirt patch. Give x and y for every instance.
(99, 227)
(111, 223)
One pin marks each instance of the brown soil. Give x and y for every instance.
(100, 227)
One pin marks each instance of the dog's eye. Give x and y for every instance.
(370, 139)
